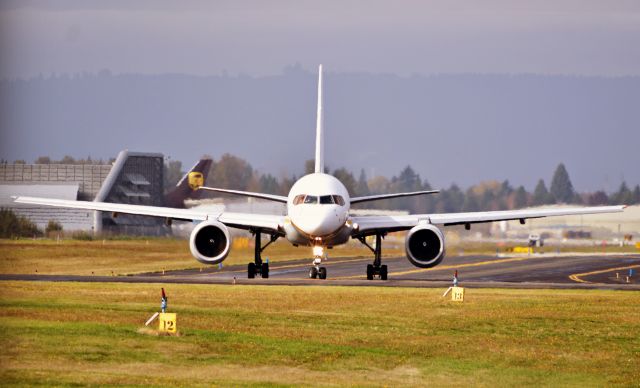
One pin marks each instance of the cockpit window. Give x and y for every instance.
(338, 199)
(326, 200)
(310, 199)
(323, 199)
(298, 199)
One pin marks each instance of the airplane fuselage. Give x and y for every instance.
(318, 211)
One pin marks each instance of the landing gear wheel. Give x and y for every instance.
(383, 272)
(251, 270)
(322, 273)
(265, 270)
(313, 273)
(369, 271)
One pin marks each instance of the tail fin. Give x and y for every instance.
(319, 128)
(187, 187)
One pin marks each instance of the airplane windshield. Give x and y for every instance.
(326, 200)
(298, 199)
(310, 199)
(314, 199)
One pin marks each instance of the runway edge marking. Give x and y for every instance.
(576, 276)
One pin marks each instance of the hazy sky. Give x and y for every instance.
(261, 37)
(599, 39)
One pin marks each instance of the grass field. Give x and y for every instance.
(88, 334)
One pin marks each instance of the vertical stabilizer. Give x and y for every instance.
(186, 188)
(319, 129)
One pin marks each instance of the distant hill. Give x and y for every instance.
(449, 128)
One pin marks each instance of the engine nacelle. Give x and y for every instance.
(425, 246)
(210, 242)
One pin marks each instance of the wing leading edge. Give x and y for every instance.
(372, 224)
(269, 197)
(388, 196)
(234, 220)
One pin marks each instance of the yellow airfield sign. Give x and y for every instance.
(167, 323)
(457, 294)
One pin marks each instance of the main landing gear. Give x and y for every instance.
(258, 267)
(376, 269)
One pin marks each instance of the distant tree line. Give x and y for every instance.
(232, 172)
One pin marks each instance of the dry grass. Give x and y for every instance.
(105, 257)
(66, 333)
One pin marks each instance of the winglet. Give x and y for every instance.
(319, 128)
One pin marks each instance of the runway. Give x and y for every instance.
(527, 271)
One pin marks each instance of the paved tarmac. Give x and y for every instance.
(526, 271)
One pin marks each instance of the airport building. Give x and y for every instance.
(134, 178)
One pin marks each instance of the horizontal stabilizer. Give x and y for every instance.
(268, 197)
(394, 195)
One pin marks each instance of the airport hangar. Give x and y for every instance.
(134, 178)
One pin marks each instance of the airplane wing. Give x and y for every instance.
(394, 195)
(366, 225)
(269, 197)
(263, 222)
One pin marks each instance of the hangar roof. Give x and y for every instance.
(37, 189)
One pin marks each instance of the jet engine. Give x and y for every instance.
(425, 246)
(210, 242)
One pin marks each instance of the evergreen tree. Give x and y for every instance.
(455, 198)
(636, 195)
(541, 194)
(624, 196)
(407, 181)
(309, 166)
(520, 199)
(561, 187)
(362, 188)
(470, 203)
(598, 198)
(346, 178)
(172, 173)
(269, 184)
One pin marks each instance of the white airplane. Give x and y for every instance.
(318, 216)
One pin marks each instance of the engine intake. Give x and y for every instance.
(210, 242)
(425, 246)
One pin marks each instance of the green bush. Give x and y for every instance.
(53, 226)
(12, 226)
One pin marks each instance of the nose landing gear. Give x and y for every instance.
(317, 270)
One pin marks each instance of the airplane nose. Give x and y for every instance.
(318, 223)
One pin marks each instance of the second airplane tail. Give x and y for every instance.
(188, 186)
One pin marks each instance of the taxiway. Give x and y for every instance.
(526, 271)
